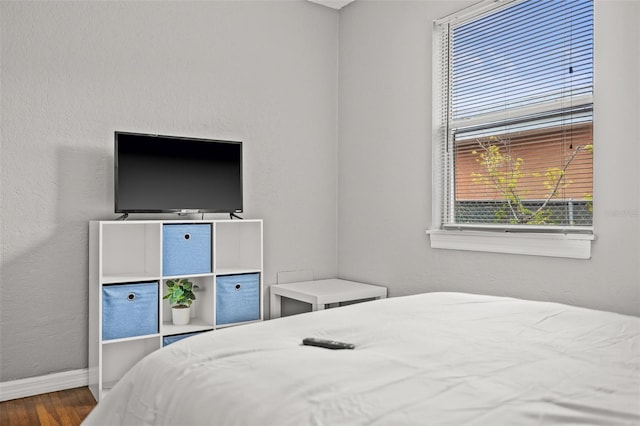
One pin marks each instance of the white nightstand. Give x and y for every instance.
(321, 292)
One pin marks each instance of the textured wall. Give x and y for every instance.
(385, 166)
(73, 72)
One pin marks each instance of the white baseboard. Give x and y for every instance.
(21, 388)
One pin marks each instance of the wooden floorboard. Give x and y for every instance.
(63, 408)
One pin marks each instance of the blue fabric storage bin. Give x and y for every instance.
(167, 340)
(237, 298)
(186, 249)
(129, 310)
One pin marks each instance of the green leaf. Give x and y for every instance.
(179, 292)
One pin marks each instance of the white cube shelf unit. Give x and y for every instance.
(131, 252)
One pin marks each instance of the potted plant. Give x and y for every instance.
(180, 294)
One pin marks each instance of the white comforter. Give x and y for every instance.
(430, 359)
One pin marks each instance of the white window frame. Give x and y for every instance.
(524, 240)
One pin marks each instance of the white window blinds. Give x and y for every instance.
(514, 116)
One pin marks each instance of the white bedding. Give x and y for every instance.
(429, 359)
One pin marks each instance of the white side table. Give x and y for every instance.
(322, 292)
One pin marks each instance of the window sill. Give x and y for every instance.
(576, 246)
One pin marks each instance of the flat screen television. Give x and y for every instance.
(171, 174)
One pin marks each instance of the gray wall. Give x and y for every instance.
(73, 72)
(384, 202)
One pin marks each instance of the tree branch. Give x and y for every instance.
(557, 185)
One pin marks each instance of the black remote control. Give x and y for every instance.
(324, 343)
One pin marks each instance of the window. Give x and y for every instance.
(513, 102)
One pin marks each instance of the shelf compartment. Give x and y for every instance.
(186, 249)
(237, 298)
(238, 245)
(129, 310)
(130, 249)
(202, 315)
(118, 358)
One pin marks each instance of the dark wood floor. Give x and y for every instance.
(63, 408)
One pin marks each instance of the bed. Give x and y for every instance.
(433, 358)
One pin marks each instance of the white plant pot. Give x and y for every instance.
(181, 316)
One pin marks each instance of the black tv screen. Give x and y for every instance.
(156, 174)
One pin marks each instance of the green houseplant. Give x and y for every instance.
(180, 294)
